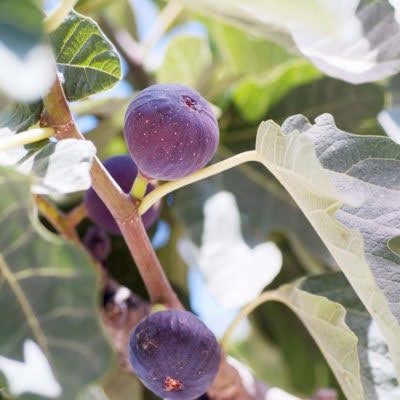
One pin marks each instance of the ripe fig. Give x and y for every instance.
(124, 171)
(170, 131)
(174, 354)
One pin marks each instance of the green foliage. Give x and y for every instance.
(351, 105)
(20, 38)
(330, 199)
(254, 96)
(337, 192)
(20, 116)
(48, 293)
(345, 333)
(53, 168)
(187, 57)
(86, 58)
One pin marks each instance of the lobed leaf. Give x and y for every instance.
(347, 186)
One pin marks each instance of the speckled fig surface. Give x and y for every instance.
(124, 171)
(174, 354)
(170, 131)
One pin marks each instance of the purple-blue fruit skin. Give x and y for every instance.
(170, 131)
(124, 171)
(175, 347)
(97, 242)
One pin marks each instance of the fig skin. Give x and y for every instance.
(174, 355)
(97, 242)
(171, 131)
(124, 171)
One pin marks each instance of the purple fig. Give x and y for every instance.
(174, 354)
(124, 171)
(98, 243)
(170, 131)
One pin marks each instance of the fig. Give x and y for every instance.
(174, 355)
(97, 242)
(170, 131)
(124, 171)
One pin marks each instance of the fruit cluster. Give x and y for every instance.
(170, 131)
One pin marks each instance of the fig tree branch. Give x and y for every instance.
(121, 205)
(77, 214)
(57, 218)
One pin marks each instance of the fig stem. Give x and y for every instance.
(56, 218)
(26, 137)
(77, 214)
(139, 187)
(158, 193)
(54, 20)
(244, 312)
(164, 20)
(121, 205)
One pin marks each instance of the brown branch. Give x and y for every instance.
(122, 207)
(77, 214)
(58, 219)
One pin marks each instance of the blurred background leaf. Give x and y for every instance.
(48, 294)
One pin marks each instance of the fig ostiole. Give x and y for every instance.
(170, 131)
(174, 354)
(123, 169)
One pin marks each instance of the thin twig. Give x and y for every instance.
(58, 219)
(157, 194)
(77, 214)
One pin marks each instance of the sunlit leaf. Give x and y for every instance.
(20, 116)
(86, 58)
(55, 167)
(242, 54)
(253, 96)
(346, 334)
(186, 61)
(47, 294)
(347, 186)
(356, 41)
(368, 53)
